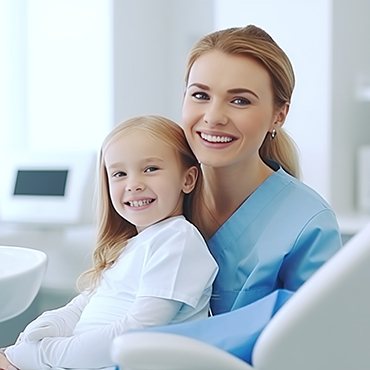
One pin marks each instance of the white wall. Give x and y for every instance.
(12, 75)
(151, 41)
(69, 73)
(351, 112)
(56, 76)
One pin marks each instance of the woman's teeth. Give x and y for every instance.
(215, 138)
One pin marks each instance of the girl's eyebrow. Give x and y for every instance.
(113, 165)
(144, 161)
(237, 90)
(199, 85)
(153, 159)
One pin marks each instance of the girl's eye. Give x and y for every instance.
(241, 101)
(150, 169)
(119, 174)
(200, 96)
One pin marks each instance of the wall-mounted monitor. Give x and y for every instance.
(49, 188)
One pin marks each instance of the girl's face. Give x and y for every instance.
(146, 179)
(228, 109)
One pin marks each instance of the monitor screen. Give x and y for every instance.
(48, 188)
(40, 182)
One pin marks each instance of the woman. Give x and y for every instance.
(266, 229)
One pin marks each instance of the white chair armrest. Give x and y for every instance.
(164, 351)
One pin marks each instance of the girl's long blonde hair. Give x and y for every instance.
(251, 41)
(114, 231)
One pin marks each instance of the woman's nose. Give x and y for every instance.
(215, 115)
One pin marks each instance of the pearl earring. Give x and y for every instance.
(273, 134)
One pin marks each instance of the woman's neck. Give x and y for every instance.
(226, 188)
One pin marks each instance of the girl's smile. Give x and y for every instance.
(139, 204)
(146, 180)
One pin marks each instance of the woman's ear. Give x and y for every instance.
(190, 179)
(281, 115)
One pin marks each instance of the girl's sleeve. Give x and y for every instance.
(180, 268)
(58, 323)
(319, 240)
(91, 349)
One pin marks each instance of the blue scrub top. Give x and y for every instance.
(276, 239)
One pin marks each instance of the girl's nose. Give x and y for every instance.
(134, 188)
(134, 185)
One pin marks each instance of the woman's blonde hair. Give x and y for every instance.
(114, 231)
(254, 42)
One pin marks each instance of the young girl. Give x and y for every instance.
(151, 266)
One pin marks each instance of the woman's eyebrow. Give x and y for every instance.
(242, 90)
(236, 90)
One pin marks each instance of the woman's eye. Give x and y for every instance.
(241, 101)
(200, 96)
(150, 169)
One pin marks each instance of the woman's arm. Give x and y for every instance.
(91, 349)
(317, 243)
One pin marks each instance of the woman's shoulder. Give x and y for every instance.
(296, 191)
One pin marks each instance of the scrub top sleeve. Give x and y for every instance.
(319, 240)
(180, 268)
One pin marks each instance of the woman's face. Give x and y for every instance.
(228, 109)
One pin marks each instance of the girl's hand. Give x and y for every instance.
(42, 330)
(5, 364)
(46, 325)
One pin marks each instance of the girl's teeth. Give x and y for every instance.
(216, 139)
(139, 203)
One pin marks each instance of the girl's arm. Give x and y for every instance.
(91, 349)
(56, 323)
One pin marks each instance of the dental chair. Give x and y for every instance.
(325, 325)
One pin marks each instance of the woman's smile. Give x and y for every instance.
(213, 138)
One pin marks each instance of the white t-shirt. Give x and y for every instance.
(166, 260)
(164, 275)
